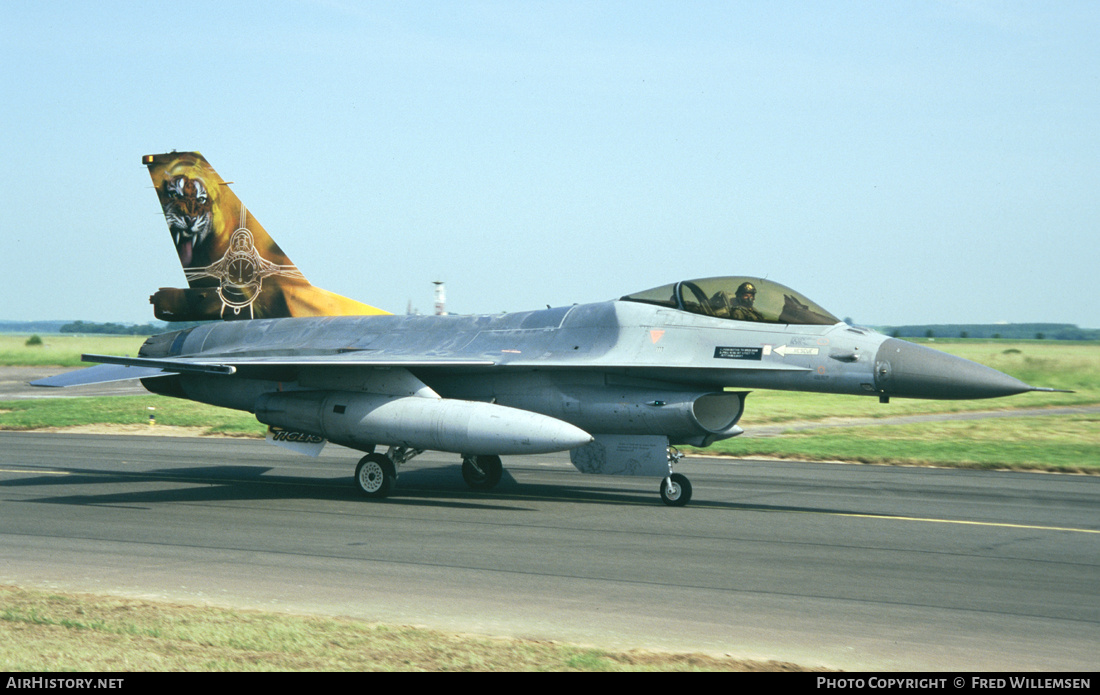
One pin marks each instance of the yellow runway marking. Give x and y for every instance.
(889, 517)
(1000, 524)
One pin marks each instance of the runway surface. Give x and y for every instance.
(854, 567)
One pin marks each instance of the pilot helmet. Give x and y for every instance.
(746, 287)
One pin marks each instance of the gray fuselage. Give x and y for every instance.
(616, 367)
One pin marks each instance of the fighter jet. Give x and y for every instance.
(619, 384)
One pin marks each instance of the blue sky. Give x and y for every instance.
(929, 162)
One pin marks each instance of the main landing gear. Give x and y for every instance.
(376, 473)
(482, 472)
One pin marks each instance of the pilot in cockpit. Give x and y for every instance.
(741, 308)
(738, 305)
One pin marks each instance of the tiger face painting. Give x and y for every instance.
(189, 212)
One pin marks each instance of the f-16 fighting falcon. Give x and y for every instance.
(618, 384)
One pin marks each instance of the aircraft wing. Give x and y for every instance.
(227, 364)
(115, 368)
(100, 374)
(112, 368)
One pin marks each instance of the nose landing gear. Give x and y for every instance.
(675, 488)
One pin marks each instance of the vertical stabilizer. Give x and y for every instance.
(233, 268)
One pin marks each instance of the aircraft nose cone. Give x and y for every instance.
(909, 370)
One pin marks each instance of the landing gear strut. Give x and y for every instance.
(676, 488)
(482, 472)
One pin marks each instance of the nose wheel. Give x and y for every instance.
(676, 490)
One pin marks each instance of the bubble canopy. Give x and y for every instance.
(737, 299)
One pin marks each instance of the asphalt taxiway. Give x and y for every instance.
(854, 567)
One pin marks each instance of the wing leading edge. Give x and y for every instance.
(114, 368)
(101, 374)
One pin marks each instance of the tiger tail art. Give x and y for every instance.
(234, 270)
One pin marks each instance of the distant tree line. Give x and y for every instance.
(112, 328)
(1006, 331)
(30, 326)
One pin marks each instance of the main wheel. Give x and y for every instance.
(482, 472)
(375, 475)
(676, 490)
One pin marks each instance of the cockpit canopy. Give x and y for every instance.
(738, 299)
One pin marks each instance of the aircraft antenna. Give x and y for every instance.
(440, 298)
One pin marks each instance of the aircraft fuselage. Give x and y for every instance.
(613, 367)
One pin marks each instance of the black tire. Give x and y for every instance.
(679, 493)
(375, 475)
(482, 472)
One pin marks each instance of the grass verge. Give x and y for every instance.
(49, 632)
(63, 350)
(46, 413)
(1056, 443)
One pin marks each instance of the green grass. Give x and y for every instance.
(41, 413)
(63, 350)
(51, 632)
(1060, 443)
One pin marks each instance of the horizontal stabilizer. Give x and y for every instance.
(100, 374)
(172, 366)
